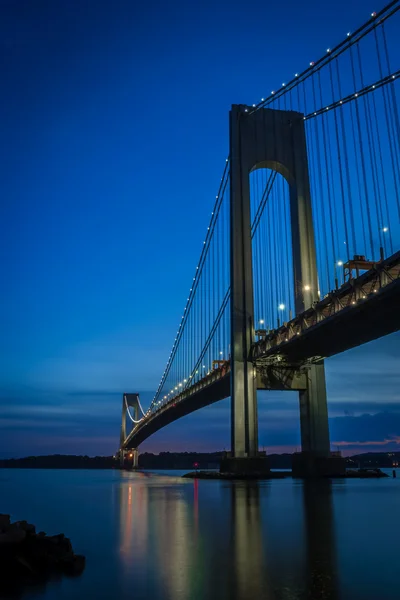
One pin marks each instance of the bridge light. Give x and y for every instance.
(340, 263)
(385, 229)
(283, 84)
(328, 49)
(204, 366)
(373, 14)
(296, 74)
(312, 63)
(307, 288)
(261, 321)
(185, 380)
(281, 307)
(130, 456)
(221, 353)
(348, 34)
(272, 92)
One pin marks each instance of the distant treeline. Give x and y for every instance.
(59, 461)
(178, 460)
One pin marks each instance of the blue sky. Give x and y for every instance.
(114, 137)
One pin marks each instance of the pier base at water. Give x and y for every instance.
(252, 466)
(308, 465)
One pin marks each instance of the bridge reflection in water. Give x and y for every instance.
(198, 540)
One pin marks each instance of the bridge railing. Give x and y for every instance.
(351, 294)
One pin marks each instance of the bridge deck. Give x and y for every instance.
(207, 391)
(362, 310)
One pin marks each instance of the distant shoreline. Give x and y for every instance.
(180, 460)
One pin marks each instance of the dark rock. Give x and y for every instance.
(27, 558)
(4, 522)
(53, 539)
(75, 566)
(27, 527)
(234, 476)
(13, 535)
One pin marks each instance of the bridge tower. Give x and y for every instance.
(275, 140)
(129, 401)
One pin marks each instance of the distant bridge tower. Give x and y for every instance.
(129, 401)
(275, 140)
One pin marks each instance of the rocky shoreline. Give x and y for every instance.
(240, 476)
(350, 474)
(29, 558)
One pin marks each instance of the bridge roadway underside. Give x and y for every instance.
(350, 327)
(218, 390)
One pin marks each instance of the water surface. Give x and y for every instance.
(161, 537)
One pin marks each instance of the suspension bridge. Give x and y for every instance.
(301, 258)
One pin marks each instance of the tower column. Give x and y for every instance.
(313, 402)
(314, 413)
(244, 424)
(135, 462)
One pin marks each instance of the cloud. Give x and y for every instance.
(395, 440)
